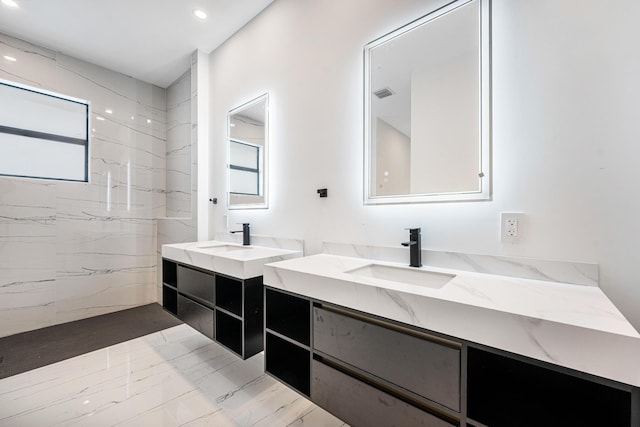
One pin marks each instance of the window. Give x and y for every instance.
(244, 168)
(43, 134)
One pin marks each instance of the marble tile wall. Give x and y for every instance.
(74, 250)
(179, 147)
(179, 224)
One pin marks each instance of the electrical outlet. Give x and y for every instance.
(511, 226)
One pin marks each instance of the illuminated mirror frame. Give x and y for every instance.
(484, 192)
(264, 178)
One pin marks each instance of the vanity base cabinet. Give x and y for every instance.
(196, 315)
(253, 316)
(371, 371)
(289, 315)
(196, 284)
(287, 355)
(360, 404)
(170, 299)
(288, 362)
(229, 331)
(504, 391)
(226, 309)
(422, 364)
(366, 371)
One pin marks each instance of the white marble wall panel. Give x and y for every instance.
(180, 223)
(74, 250)
(526, 268)
(194, 136)
(35, 66)
(179, 147)
(27, 254)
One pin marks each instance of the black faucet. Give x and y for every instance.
(415, 247)
(246, 234)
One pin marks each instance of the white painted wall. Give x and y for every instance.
(393, 160)
(445, 127)
(565, 135)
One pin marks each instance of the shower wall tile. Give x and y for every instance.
(27, 254)
(180, 226)
(179, 147)
(73, 250)
(35, 66)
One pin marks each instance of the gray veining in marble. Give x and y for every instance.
(175, 377)
(526, 268)
(576, 327)
(266, 241)
(179, 147)
(74, 250)
(179, 220)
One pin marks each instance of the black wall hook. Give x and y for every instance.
(322, 192)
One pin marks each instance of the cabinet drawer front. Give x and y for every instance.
(423, 367)
(195, 315)
(361, 405)
(196, 283)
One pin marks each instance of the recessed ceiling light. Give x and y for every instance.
(99, 118)
(108, 111)
(10, 58)
(10, 3)
(148, 120)
(200, 14)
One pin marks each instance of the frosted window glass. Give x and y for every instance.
(25, 109)
(243, 155)
(243, 182)
(32, 157)
(42, 135)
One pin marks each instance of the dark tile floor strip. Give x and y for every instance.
(34, 349)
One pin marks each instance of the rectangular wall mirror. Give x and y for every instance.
(427, 108)
(248, 135)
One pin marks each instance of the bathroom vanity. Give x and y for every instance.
(377, 343)
(216, 288)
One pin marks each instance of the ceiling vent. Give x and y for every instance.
(383, 93)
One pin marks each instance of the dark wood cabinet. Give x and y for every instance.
(196, 284)
(226, 309)
(360, 404)
(288, 362)
(288, 315)
(371, 371)
(170, 299)
(196, 315)
(287, 339)
(505, 391)
(417, 362)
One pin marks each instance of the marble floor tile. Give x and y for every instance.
(175, 377)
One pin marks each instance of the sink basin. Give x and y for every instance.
(224, 248)
(408, 276)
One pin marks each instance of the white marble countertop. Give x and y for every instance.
(231, 259)
(568, 325)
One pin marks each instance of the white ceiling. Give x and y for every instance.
(150, 40)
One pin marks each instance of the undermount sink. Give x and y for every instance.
(224, 248)
(408, 276)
